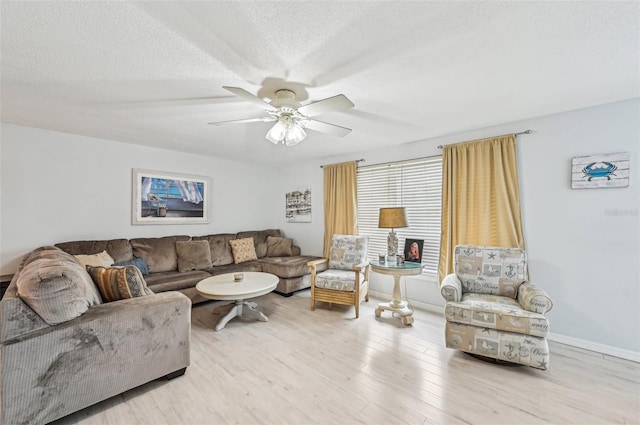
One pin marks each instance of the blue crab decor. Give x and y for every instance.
(610, 170)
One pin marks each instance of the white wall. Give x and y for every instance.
(60, 187)
(583, 245)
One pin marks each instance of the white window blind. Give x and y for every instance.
(414, 184)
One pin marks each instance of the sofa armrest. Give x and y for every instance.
(111, 348)
(533, 298)
(173, 301)
(451, 288)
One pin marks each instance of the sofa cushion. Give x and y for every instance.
(140, 263)
(279, 247)
(243, 250)
(221, 254)
(490, 270)
(175, 281)
(55, 285)
(160, 253)
(193, 255)
(100, 259)
(288, 267)
(119, 249)
(496, 312)
(119, 283)
(260, 239)
(248, 266)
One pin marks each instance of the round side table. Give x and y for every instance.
(396, 305)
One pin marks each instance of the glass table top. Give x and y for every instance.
(407, 265)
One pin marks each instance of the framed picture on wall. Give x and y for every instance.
(413, 250)
(298, 205)
(159, 197)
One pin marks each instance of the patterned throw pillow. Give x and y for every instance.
(101, 259)
(119, 283)
(140, 263)
(243, 250)
(279, 247)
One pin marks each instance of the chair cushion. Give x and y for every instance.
(490, 270)
(347, 251)
(339, 280)
(496, 312)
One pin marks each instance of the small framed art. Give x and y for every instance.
(413, 250)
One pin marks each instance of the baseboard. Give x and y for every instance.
(595, 346)
(418, 304)
(562, 339)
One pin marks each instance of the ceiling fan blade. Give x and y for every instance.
(324, 127)
(260, 119)
(330, 104)
(250, 97)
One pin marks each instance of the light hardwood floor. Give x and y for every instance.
(326, 367)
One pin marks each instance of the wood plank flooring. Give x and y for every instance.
(326, 367)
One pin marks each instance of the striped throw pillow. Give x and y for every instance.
(119, 283)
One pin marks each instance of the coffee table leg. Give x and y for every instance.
(252, 311)
(242, 308)
(236, 310)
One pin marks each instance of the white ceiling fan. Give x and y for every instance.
(291, 117)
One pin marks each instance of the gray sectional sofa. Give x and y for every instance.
(62, 349)
(164, 260)
(64, 346)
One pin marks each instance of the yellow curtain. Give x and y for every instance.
(480, 197)
(340, 201)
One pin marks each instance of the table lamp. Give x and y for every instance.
(392, 218)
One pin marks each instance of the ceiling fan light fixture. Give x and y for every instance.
(294, 135)
(277, 132)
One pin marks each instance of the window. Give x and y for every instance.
(414, 184)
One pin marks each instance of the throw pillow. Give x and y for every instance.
(193, 255)
(279, 247)
(101, 259)
(119, 283)
(243, 250)
(140, 263)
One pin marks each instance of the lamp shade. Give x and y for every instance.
(392, 218)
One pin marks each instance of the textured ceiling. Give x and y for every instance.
(151, 73)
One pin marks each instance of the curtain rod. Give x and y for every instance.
(357, 160)
(515, 134)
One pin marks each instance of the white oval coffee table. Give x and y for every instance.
(223, 287)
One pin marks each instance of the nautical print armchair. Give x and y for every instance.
(346, 280)
(492, 311)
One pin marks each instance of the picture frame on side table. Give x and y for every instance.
(160, 197)
(413, 250)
